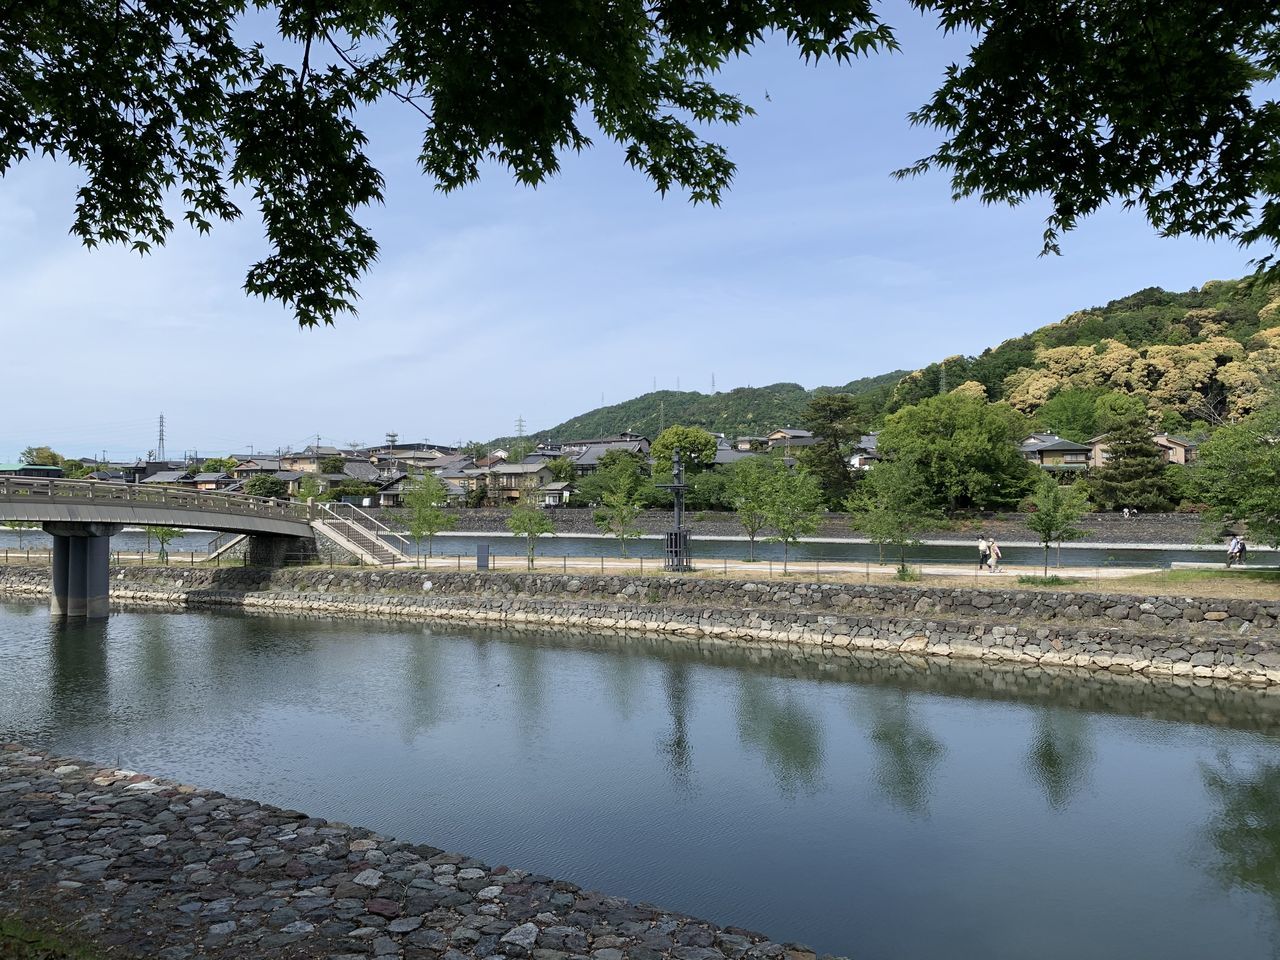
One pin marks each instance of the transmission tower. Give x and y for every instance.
(160, 440)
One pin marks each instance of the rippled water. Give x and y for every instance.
(890, 810)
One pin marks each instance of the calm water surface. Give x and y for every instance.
(882, 811)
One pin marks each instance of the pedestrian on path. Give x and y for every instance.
(984, 551)
(1233, 551)
(993, 556)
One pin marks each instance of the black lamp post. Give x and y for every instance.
(676, 557)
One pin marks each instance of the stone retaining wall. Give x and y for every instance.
(1200, 638)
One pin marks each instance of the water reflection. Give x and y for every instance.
(79, 677)
(1245, 826)
(973, 769)
(1061, 754)
(789, 736)
(675, 749)
(906, 751)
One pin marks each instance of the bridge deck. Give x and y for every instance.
(91, 501)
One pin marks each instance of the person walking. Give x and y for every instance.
(1233, 551)
(983, 552)
(1241, 550)
(993, 556)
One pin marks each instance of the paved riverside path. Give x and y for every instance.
(161, 870)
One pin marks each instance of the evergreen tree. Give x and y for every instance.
(1134, 475)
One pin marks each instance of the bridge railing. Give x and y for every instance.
(96, 491)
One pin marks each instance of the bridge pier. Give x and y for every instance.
(81, 568)
(272, 550)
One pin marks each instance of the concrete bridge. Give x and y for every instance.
(82, 516)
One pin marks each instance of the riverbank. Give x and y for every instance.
(1098, 528)
(146, 867)
(1202, 640)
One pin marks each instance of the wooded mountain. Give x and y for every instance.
(744, 411)
(1196, 359)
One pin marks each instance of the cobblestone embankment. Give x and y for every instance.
(166, 871)
(1161, 636)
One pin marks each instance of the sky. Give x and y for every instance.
(501, 301)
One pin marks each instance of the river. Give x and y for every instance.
(881, 811)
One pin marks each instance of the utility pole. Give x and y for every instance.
(713, 381)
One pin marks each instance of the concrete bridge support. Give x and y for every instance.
(81, 569)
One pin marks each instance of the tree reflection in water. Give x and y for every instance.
(786, 733)
(1245, 827)
(907, 753)
(1061, 754)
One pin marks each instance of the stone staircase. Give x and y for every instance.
(359, 533)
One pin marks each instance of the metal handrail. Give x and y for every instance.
(367, 520)
(97, 490)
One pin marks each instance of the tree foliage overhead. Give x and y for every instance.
(152, 99)
(1163, 107)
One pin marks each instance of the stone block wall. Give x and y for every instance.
(1200, 638)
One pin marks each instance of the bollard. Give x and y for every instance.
(770, 568)
(602, 564)
(564, 564)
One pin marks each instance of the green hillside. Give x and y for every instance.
(1196, 359)
(745, 411)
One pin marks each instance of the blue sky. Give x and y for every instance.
(501, 301)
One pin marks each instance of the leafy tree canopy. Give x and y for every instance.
(1238, 475)
(333, 464)
(964, 449)
(265, 485)
(41, 457)
(697, 448)
(1160, 106)
(218, 465)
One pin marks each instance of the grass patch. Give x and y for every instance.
(1053, 580)
(907, 575)
(21, 940)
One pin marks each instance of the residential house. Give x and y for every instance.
(391, 494)
(556, 493)
(513, 482)
(30, 470)
(751, 444)
(1050, 452)
(727, 453)
(1177, 450)
(308, 459)
(788, 438)
(587, 454)
(864, 454)
(171, 478)
(245, 469)
(213, 481)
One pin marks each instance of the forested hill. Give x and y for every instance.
(745, 411)
(1196, 359)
